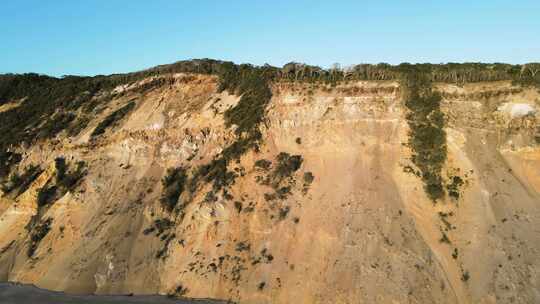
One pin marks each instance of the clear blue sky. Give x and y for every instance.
(91, 37)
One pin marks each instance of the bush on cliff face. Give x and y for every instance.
(47, 105)
(7, 160)
(287, 164)
(427, 138)
(37, 234)
(112, 119)
(22, 181)
(252, 84)
(46, 195)
(174, 184)
(66, 180)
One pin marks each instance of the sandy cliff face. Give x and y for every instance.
(348, 222)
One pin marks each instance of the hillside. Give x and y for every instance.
(205, 179)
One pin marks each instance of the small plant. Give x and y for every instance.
(444, 238)
(263, 164)
(243, 246)
(179, 291)
(465, 276)
(453, 187)
(455, 254)
(308, 178)
(283, 212)
(238, 206)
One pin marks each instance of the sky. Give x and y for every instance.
(66, 37)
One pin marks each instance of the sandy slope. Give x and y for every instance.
(364, 231)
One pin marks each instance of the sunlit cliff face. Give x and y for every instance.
(324, 202)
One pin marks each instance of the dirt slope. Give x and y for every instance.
(346, 222)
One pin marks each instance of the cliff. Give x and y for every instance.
(327, 198)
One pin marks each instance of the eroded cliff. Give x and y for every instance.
(163, 190)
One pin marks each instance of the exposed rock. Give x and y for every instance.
(353, 223)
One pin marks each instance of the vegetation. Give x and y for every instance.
(283, 212)
(66, 179)
(444, 238)
(179, 291)
(113, 118)
(453, 186)
(22, 181)
(308, 178)
(287, 164)
(8, 160)
(46, 195)
(159, 226)
(37, 234)
(458, 73)
(263, 164)
(465, 276)
(427, 138)
(252, 83)
(47, 105)
(50, 105)
(174, 184)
